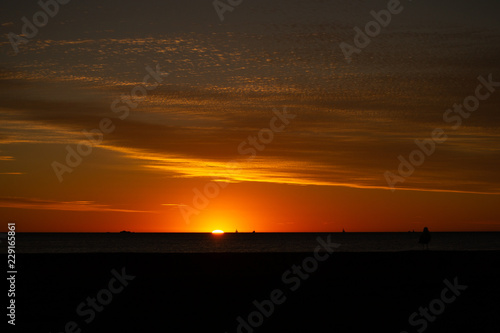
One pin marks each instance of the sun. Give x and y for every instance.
(218, 232)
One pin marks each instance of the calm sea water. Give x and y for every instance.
(259, 242)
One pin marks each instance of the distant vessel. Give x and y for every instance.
(236, 231)
(253, 232)
(343, 231)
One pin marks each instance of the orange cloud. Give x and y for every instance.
(81, 206)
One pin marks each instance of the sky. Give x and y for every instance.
(177, 121)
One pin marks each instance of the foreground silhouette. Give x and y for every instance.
(425, 238)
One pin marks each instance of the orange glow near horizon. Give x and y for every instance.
(217, 232)
(261, 207)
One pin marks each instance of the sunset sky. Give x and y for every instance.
(219, 83)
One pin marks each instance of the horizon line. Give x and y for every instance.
(229, 232)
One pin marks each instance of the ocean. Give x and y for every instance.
(248, 243)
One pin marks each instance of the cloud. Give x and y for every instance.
(353, 121)
(174, 205)
(79, 206)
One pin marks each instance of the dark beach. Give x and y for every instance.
(348, 292)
